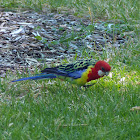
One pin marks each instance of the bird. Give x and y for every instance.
(79, 72)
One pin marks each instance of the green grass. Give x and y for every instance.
(117, 9)
(57, 110)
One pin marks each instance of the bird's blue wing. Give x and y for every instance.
(76, 74)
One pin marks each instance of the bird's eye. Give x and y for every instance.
(103, 69)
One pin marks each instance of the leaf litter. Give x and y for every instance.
(29, 39)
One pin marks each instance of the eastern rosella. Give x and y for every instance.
(79, 72)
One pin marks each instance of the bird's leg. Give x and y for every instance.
(87, 86)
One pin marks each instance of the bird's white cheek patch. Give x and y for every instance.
(101, 73)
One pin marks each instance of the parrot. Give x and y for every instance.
(79, 72)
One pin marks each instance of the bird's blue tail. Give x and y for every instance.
(37, 77)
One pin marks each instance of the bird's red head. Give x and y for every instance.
(103, 68)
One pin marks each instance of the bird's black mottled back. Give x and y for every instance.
(78, 65)
(68, 68)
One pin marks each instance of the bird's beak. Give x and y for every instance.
(106, 73)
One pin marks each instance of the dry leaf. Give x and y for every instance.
(135, 108)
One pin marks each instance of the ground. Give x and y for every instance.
(55, 109)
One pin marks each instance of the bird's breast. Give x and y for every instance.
(84, 77)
